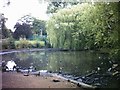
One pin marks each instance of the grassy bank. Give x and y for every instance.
(10, 43)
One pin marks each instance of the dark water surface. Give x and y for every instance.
(90, 67)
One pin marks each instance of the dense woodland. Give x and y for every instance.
(85, 26)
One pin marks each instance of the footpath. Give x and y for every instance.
(18, 80)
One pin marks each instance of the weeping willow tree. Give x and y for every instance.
(85, 26)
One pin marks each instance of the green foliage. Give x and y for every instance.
(11, 43)
(28, 27)
(22, 30)
(84, 26)
(4, 43)
(23, 43)
(7, 43)
(4, 31)
(56, 5)
(38, 27)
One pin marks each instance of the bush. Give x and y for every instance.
(4, 43)
(11, 43)
(29, 44)
(37, 44)
(7, 43)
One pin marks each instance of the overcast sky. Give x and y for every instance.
(19, 8)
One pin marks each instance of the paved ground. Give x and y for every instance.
(18, 80)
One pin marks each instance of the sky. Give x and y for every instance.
(19, 8)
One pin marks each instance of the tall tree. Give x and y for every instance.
(4, 31)
(38, 27)
(56, 5)
(85, 26)
(22, 30)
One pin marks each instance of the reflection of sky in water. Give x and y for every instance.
(10, 65)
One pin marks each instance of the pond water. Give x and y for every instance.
(93, 68)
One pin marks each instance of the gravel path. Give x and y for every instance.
(18, 80)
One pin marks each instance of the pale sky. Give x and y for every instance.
(19, 8)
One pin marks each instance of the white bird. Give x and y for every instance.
(10, 65)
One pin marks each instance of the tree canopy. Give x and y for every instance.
(4, 31)
(38, 27)
(22, 30)
(55, 6)
(28, 26)
(85, 26)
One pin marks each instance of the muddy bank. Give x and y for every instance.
(18, 80)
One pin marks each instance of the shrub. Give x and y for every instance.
(37, 44)
(29, 44)
(4, 43)
(22, 44)
(7, 43)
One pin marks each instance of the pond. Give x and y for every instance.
(91, 67)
